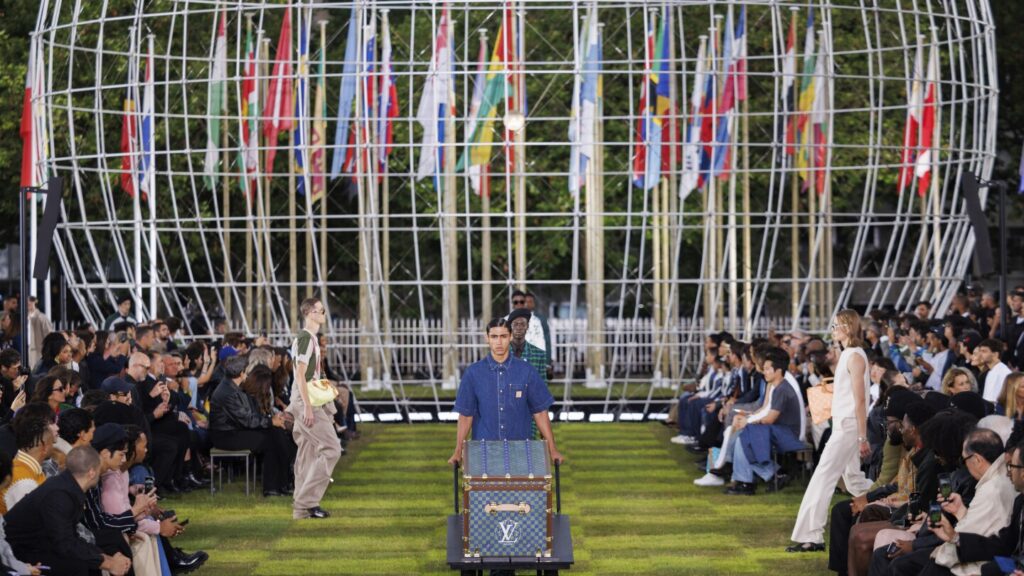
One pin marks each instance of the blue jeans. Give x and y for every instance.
(690, 415)
(743, 470)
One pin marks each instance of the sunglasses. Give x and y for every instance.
(1014, 466)
(514, 302)
(58, 389)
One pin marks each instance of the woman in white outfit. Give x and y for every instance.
(848, 441)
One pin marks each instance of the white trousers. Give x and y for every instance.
(841, 459)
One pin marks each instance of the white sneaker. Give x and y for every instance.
(710, 479)
(680, 439)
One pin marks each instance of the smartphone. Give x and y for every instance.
(167, 514)
(945, 486)
(934, 515)
(914, 504)
(148, 484)
(183, 522)
(892, 549)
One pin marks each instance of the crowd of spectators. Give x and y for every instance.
(945, 430)
(110, 422)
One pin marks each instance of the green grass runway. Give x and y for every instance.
(628, 490)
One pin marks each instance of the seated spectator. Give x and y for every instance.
(971, 547)
(1012, 398)
(11, 381)
(237, 423)
(108, 358)
(165, 426)
(780, 430)
(56, 352)
(8, 562)
(994, 372)
(34, 438)
(50, 390)
(958, 380)
(41, 528)
(987, 513)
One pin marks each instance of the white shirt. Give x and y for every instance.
(937, 362)
(843, 405)
(994, 382)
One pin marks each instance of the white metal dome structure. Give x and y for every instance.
(809, 159)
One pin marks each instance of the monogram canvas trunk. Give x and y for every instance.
(506, 497)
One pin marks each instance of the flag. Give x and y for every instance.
(927, 157)
(584, 105)
(216, 102)
(690, 179)
(733, 91)
(128, 145)
(318, 178)
(250, 111)
(818, 125)
(279, 96)
(147, 148)
(908, 155)
(647, 153)
(33, 136)
(299, 138)
(789, 87)
(475, 171)
(501, 84)
(368, 83)
(436, 104)
(707, 112)
(347, 94)
(388, 108)
(806, 102)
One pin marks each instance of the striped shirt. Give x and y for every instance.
(26, 476)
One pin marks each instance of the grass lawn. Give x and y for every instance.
(628, 491)
(634, 391)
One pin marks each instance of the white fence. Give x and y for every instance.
(416, 347)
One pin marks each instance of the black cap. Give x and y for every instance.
(920, 412)
(115, 384)
(972, 403)
(519, 313)
(896, 403)
(108, 436)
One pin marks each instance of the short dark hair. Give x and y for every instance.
(307, 306)
(984, 443)
(121, 326)
(496, 323)
(142, 331)
(73, 422)
(923, 303)
(9, 357)
(992, 344)
(93, 398)
(518, 293)
(778, 358)
(173, 324)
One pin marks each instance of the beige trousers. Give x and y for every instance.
(319, 450)
(145, 555)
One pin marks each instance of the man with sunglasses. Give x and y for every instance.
(974, 547)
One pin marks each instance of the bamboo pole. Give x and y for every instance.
(671, 247)
(794, 241)
(717, 191)
(451, 251)
(731, 241)
(225, 183)
(520, 149)
(748, 259)
(267, 180)
(595, 240)
(812, 233)
(486, 290)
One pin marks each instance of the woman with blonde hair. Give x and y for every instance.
(1012, 397)
(959, 380)
(848, 445)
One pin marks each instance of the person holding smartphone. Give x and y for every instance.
(849, 443)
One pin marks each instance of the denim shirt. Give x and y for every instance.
(502, 398)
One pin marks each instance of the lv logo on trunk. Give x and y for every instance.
(508, 532)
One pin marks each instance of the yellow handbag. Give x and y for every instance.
(321, 392)
(819, 400)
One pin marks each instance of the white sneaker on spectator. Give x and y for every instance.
(710, 479)
(680, 439)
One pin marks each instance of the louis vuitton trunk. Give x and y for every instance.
(506, 496)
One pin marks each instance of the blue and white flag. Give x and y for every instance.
(347, 95)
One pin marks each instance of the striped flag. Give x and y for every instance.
(584, 105)
(216, 102)
(912, 127)
(33, 137)
(927, 157)
(692, 149)
(318, 178)
(277, 110)
(250, 114)
(789, 87)
(732, 52)
(818, 125)
(806, 102)
(147, 146)
(129, 135)
(654, 107)
(476, 171)
(388, 107)
(301, 87)
(347, 94)
(436, 108)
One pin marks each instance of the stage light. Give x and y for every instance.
(571, 416)
(661, 416)
(631, 417)
(390, 417)
(601, 418)
(448, 416)
(367, 417)
(420, 417)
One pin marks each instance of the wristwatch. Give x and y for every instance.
(861, 439)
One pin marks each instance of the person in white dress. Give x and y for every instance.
(848, 445)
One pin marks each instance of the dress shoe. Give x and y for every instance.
(183, 487)
(183, 563)
(741, 489)
(780, 479)
(696, 449)
(318, 512)
(191, 480)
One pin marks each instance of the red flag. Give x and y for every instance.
(128, 132)
(278, 110)
(926, 157)
(912, 127)
(27, 147)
